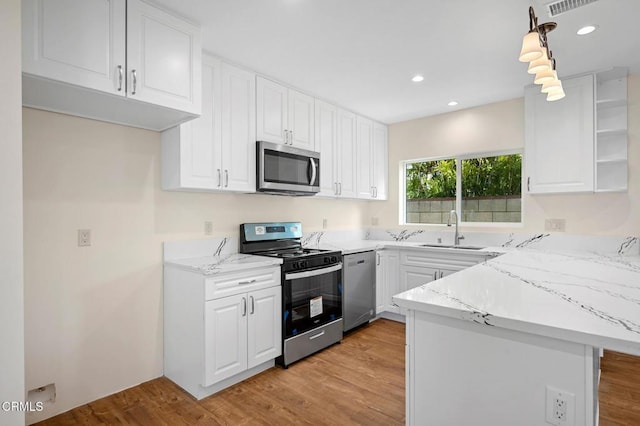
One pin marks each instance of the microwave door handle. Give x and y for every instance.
(314, 171)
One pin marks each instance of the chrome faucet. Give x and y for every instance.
(457, 237)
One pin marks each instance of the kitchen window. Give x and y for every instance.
(482, 188)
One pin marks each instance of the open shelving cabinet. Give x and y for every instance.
(611, 130)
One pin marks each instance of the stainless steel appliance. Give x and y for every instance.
(311, 287)
(359, 298)
(285, 170)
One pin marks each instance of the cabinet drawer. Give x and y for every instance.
(240, 282)
(430, 259)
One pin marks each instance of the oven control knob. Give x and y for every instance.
(327, 259)
(295, 265)
(334, 258)
(303, 264)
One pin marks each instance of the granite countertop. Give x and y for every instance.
(588, 298)
(211, 265)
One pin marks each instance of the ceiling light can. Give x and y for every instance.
(452, 103)
(417, 78)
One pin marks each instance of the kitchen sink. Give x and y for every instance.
(452, 246)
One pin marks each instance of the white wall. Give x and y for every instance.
(500, 126)
(11, 284)
(94, 314)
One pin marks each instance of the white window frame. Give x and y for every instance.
(402, 220)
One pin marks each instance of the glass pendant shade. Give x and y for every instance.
(551, 85)
(556, 94)
(531, 49)
(544, 76)
(540, 64)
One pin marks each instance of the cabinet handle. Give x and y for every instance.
(528, 184)
(248, 281)
(135, 81)
(340, 193)
(253, 307)
(244, 306)
(377, 258)
(219, 178)
(441, 274)
(335, 188)
(290, 137)
(120, 76)
(375, 192)
(435, 275)
(226, 178)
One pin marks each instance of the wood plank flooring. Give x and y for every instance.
(360, 381)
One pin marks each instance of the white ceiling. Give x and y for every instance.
(361, 54)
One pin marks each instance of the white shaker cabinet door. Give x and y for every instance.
(301, 120)
(326, 139)
(264, 326)
(364, 136)
(238, 129)
(225, 338)
(346, 154)
(559, 139)
(81, 42)
(163, 58)
(379, 168)
(272, 111)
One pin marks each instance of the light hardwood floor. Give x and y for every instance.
(360, 381)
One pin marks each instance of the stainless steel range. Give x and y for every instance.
(311, 287)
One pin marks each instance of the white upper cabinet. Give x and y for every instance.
(326, 124)
(160, 58)
(379, 169)
(76, 51)
(371, 159)
(284, 116)
(364, 141)
(345, 155)
(238, 129)
(78, 42)
(559, 138)
(217, 150)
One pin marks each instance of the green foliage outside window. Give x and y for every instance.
(487, 176)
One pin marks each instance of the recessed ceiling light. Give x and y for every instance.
(452, 103)
(417, 78)
(588, 29)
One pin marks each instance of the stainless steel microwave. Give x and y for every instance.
(285, 170)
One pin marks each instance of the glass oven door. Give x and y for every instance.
(311, 299)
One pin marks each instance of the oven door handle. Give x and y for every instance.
(314, 273)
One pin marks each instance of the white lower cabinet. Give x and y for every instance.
(222, 329)
(242, 331)
(403, 269)
(387, 280)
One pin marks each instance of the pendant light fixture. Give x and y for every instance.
(535, 50)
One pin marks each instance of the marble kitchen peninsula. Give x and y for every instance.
(499, 342)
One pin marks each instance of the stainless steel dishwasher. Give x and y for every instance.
(359, 289)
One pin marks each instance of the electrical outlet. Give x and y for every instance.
(555, 225)
(84, 237)
(324, 223)
(560, 407)
(375, 221)
(208, 228)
